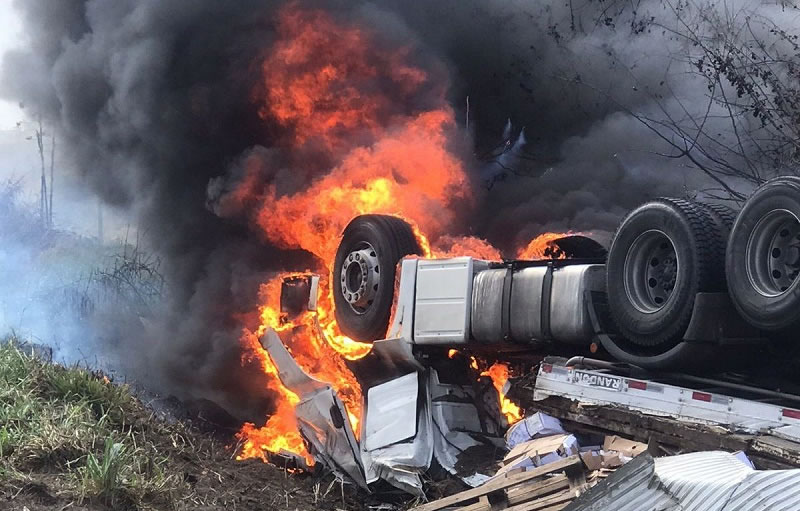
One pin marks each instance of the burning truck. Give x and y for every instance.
(684, 284)
(329, 139)
(365, 353)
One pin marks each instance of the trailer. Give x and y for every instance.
(674, 412)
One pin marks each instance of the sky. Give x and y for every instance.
(10, 37)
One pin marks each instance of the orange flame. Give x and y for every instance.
(325, 83)
(543, 247)
(448, 246)
(316, 356)
(258, 441)
(499, 374)
(473, 363)
(342, 103)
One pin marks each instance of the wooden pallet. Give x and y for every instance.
(547, 488)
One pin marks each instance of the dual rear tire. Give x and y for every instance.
(668, 250)
(663, 254)
(763, 259)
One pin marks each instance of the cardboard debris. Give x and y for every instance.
(552, 486)
(539, 452)
(615, 452)
(597, 460)
(625, 447)
(530, 476)
(536, 426)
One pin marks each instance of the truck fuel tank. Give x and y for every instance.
(539, 302)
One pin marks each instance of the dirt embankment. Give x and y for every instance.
(72, 439)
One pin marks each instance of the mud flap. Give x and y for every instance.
(321, 416)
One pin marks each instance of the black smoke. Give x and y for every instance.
(153, 100)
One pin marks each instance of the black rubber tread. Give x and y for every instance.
(725, 215)
(707, 254)
(405, 242)
(781, 314)
(710, 245)
(397, 240)
(724, 218)
(404, 234)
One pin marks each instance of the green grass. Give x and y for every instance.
(72, 439)
(92, 438)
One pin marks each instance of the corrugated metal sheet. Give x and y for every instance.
(704, 481)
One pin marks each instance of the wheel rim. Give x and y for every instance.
(651, 271)
(773, 253)
(360, 277)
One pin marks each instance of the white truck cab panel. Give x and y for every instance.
(443, 299)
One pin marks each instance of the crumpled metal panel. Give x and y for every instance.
(702, 481)
(627, 489)
(401, 464)
(392, 413)
(458, 424)
(321, 416)
(774, 490)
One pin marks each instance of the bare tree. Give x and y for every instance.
(748, 127)
(44, 208)
(45, 194)
(751, 68)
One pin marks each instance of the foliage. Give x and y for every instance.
(94, 434)
(748, 56)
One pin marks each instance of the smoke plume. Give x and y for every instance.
(157, 105)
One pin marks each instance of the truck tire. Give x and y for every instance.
(663, 253)
(722, 215)
(763, 256)
(364, 273)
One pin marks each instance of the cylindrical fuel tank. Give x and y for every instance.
(487, 306)
(534, 303)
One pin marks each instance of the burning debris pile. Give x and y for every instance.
(313, 379)
(386, 158)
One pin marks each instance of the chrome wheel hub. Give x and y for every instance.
(360, 277)
(773, 253)
(651, 271)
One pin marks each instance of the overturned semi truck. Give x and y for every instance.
(683, 284)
